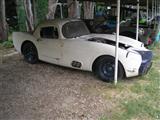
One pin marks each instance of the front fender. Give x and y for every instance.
(132, 64)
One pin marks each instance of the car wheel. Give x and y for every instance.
(30, 53)
(104, 69)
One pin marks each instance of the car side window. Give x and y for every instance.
(49, 32)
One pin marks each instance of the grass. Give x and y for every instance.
(143, 99)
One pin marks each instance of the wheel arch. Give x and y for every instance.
(25, 42)
(96, 60)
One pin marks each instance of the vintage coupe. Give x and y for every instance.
(69, 43)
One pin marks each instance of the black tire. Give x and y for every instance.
(104, 69)
(29, 52)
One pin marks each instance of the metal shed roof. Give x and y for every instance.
(129, 2)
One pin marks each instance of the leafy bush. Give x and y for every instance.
(42, 9)
(21, 15)
(7, 44)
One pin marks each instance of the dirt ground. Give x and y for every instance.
(49, 92)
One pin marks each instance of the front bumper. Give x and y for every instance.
(146, 62)
(145, 67)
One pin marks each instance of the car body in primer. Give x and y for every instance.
(72, 45)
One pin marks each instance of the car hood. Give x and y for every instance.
(110, 37)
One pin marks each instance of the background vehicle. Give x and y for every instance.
(102, 25)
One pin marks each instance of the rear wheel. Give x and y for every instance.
(104, 69)
(30, 53)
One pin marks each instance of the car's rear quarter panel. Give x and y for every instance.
(20, 37)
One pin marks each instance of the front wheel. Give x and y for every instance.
(30, 53)
(104, 69)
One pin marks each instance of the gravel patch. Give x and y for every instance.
(48, 92)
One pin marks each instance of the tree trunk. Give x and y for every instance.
(29, 15)
(3, 23)
(74, 10)
(34, 12)
(71, 7)
(51, 9)
(88, 9)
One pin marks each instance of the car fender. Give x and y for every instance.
(20, 37)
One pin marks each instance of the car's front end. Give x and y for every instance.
(132, 54)
(146, 61)
(135, 58)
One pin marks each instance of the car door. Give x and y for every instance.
(49, 44)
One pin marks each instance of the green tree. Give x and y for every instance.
(21, 15)
(42, 9)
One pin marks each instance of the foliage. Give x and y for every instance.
(21, 15)
(7, 44)
(41, 11)
(42, 8)
(154, 46)
(12, 29)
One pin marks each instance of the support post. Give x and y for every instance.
(34, 12)
(117, 42)
(155, 12)
(137, 29)
(152, 9)
(61, 9)
(155, 8)
(158, 8)
(147, 11)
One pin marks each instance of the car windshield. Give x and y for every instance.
(74, 29)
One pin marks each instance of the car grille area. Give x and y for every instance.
(146, 61)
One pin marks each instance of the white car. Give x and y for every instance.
(69, 43)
